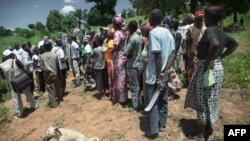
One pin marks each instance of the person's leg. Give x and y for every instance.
(153, 114)
(135, 88)
(201, 123)
(50, 88)
(77, 72)
(30, 98)
(18, 104)
(163, 108)
(63, 81)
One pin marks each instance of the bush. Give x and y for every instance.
(4, 95)
(4, 114)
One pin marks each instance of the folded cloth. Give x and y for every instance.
(208, 78)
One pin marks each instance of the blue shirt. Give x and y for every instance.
(160, 41)
(134, 51)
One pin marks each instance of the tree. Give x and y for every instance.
(26, 33)
(31, 26)
(54, 21)
(131, 13)
(233, 7)
(5, 32)
(80, 17)
(40, 26)
(101, 14)
(173, 7)
(124, 13)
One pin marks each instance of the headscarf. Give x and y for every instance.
(198, 13)
(168, 21)
(214, 11)
(118, 21)
(111, 32)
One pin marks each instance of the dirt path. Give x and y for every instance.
(84, 113)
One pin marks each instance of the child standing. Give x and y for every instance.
(100, 72)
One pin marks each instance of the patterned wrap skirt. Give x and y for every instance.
(205, 100)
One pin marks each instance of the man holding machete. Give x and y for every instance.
(160, 57)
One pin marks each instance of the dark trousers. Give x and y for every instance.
(40, 81)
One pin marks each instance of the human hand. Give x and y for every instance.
(160, 82)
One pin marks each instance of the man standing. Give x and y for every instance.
(50, 65)
(57, 49)
(161, 55)
(133, 52)
(74, 56)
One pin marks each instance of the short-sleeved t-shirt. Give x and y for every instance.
(87, 50)
(160, 41)
(213, 32)
(74, 50)
(60, 53)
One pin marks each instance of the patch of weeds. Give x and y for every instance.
(4, 114)
(24, 136)
(42, 100)
(237, 72)
(59, 121)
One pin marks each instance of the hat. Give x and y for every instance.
(7, 52)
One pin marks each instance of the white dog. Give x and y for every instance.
(62, 134)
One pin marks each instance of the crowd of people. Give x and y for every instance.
(137, 57)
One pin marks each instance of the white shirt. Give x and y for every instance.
(18, 53)
(40, 43)
(60, 53)
(88, 48)
(37, 58)
(27, 62)
(74, 53)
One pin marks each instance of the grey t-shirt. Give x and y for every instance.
(99, 58)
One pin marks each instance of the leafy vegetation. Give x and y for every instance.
(237, 72)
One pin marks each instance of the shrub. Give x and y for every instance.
(4, 113)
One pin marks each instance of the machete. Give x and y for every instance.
(152, 101)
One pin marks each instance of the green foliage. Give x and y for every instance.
(26, 33)
(101, 14)
(4, 114)
(5, 32)
(236, 67)
(131, 13)
(54, 21)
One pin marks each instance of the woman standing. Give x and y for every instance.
(210, 51)
(195, 33)
(120, 61)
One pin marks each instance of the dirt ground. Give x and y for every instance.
(83, 112)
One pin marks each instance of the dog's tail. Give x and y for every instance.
(94, 139)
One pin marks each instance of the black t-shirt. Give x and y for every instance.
(213, 32)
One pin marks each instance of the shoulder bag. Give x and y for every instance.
(19, 82)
